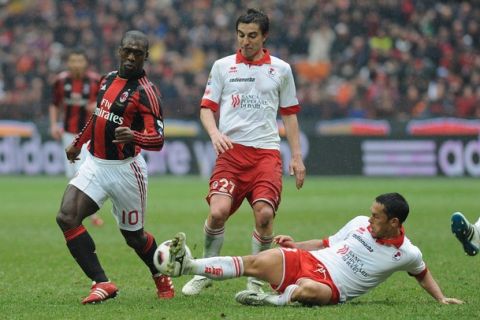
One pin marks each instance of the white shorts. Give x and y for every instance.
(123, 181)
(72, 168)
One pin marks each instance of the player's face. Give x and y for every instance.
(132, 57)
(381, 226)
(77, 64)
(250, 40)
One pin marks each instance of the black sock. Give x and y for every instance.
(82, 248)
(146, 254)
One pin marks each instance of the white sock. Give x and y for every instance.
(282, 299)
(213, 241)
(260, 243)
(217, 268)
(476, 234)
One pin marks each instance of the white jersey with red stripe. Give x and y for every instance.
(357, 262)
(249, 95)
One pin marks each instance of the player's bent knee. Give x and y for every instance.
(66, 221)
(218, 217)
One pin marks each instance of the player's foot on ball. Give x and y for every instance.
(164, 286)
(100, 292)
(196, 285)
(178, 258)
(252, 298)
(465, 233)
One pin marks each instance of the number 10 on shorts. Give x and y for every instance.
(130, 217)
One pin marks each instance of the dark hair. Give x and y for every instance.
(136, 35)
(395, 205)
(77, 50)
(255, 16)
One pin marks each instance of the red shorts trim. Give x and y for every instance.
(247, 172)
(298, 264)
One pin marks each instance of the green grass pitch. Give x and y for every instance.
(40, 280)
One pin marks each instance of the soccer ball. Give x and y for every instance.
(162, 256)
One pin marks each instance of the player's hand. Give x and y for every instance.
(221, 143)
(73, 153)
(297, 168)
(123, 135)
(284, 241)
(446, 300)
(56, 132)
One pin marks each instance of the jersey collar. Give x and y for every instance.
(396, 241)
(264, 60)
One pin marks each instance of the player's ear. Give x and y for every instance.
(146, 55)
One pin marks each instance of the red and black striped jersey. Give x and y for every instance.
(133, 103)
(74, 96)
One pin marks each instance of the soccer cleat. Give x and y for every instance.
(465, 233)
(100, 292)
(196, 285)
(178, 259)
(96, 221)
(254, 285)
(165, 289)
(252, 298)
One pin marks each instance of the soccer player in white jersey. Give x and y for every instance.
(467, 233)
(360, 256)
(248, 89)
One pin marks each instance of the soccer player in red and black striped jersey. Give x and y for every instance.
(74, 95)
(128, 118)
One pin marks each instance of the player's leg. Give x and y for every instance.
(72, 168)
(214, 229)
(76, 206)
(267, 265)
(262, 236)
(467, 233)
(265, 198)
(128, 190)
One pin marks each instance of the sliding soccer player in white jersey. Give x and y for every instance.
(249, 89)
(360, 256)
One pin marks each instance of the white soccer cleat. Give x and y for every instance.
(252, 298)
(196, 285)
(179, 256)
(466, 233)
(255, 285)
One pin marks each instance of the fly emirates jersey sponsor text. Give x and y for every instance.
(357, 262)
(248, 95)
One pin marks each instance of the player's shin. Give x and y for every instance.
(82, 248)
(147, 252)
(216, 268)
(213, 241)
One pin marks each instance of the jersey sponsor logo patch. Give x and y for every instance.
(397, 256)
(124, 96)
(250, 79)
(343, 250)
(272, 72)
(235, 100)
(362, 241)
(107, 115)
(233, 69)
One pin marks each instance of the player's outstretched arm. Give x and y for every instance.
(288, 242)
(430, 285)
(296, 166)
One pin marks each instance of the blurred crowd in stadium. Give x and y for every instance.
(394, 59)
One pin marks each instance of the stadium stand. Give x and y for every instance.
(388, 59)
